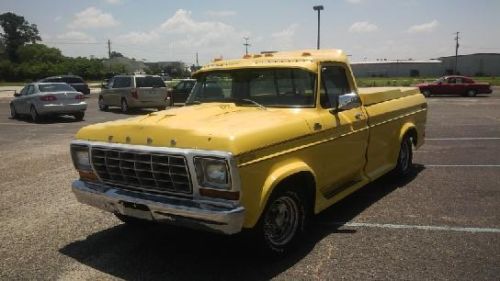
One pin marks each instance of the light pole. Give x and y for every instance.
(318, 8)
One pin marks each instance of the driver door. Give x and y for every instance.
(345, 129)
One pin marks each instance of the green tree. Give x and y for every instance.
(39, 53)
(16, 32)
(116, 55)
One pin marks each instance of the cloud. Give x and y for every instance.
(113, 2)
(76, 36)
(220, 14)
(363, 27)
(425, 27)
(354, 1)
(138, 37)
(57, 19)
(92, 18)
(283, 39)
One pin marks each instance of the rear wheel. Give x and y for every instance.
(471, 93)
(124, 106)
(283, 222)
(34, 114)
(13, 113)
(79, 116)
(405, 157)
(102, 105)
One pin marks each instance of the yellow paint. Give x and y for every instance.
(341, 150)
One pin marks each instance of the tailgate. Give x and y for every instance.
(151, 94)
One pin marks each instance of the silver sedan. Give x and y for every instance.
(39, 99)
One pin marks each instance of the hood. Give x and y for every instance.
(209, 126)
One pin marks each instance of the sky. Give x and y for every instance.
(163, 30)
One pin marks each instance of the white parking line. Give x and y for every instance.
(462, 139)
(460, 165)
(419, 227)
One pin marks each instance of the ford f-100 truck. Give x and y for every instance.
(263, 143)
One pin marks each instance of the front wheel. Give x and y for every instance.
(102, 105)
(283, 222)
(426, 93)
(13, 112)
(405, 158)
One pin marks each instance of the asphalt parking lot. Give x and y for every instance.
(443, 223)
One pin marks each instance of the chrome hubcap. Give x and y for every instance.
(281, 221)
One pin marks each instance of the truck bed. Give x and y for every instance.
(374, 95)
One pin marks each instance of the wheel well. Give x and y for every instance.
(303, 183)
(412, 133)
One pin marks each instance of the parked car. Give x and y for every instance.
(134, 91)
(42, 99)
(262, 144)
(73, 80)
(454, 85)
(180, 92)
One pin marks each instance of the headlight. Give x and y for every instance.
(212, 172)
(81, 158)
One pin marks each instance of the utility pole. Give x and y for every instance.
(246, 44)
(109, 48)
(197, 64)
(456, 52)
(318, 8)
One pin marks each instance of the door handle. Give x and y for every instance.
(358, 116)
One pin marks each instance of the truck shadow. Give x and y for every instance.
(159, 252)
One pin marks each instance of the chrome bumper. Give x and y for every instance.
(211, 216)
(61, 109)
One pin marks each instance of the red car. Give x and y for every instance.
(454, 85)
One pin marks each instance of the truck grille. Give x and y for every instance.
(142, 170)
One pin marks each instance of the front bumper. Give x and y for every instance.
(216, 217)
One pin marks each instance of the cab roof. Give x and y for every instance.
(307, 59)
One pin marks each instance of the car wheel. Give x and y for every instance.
(34, 114)
(102, 105)
(471, 93)
(124, 106)
(161, 108)
(282, 223)
(13, 113)
(79, 116)
(405, 158)
(426, 93)
(131, 221)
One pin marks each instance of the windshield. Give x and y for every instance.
(440, 80)
(266, 87)
(59, 87)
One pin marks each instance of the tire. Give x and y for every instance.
(282, 223)
(79, 116)
(131, 221)
(471, 93)
(102, 106)
(124, 106)
(13, 112)
(426, 93)
(161, 108)
(405, 158)
(34, 114)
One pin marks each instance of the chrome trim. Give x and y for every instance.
(189, 155)
(226, 218)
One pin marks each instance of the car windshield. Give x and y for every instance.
(149, 82)
(56, 87)
(256, 87)
(440, 80)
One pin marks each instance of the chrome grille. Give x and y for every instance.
(142, 170)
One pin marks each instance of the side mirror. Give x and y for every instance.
(16, 94)
(348, 101)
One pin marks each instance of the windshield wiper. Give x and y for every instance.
(253, 102)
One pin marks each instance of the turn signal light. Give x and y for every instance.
(229, 195)
(80, 97)
(90, 176)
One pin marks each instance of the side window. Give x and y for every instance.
(334, 83)
(451, 81)
(459, 81)
(24, 91)
(121, 82)
(180, 86)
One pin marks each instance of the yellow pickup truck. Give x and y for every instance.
(263, 143)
